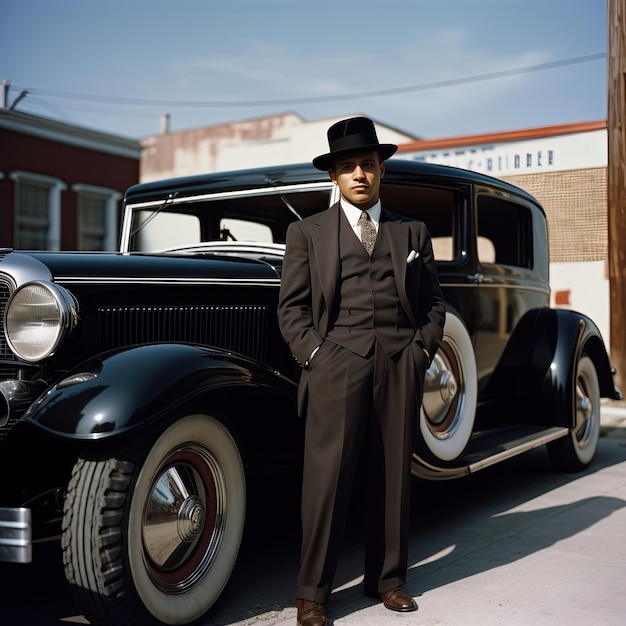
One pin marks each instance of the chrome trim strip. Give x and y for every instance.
(242, 193)
(513, 448)
(519, 446)
(264, 282)
(545, 290)
(117, 280)
(229, 248)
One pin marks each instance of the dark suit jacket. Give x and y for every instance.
(310, 285)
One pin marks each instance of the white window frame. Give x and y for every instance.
(112, 197)
(55, 187)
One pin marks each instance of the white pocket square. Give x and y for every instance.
(412, 256)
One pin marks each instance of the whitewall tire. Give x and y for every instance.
(154, 539)
(450, 392)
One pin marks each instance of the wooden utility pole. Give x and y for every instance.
(616, 177)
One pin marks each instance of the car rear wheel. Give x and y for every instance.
(450, 392)
(576, 451)
(155, 541)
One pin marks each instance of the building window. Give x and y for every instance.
(96, 217)
(489, 165)
(92, 228)
(529, 160)
(550, 157)
(33, 221)
(516, 162)
(539, 158)
(37, 211)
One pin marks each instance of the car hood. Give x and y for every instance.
(23, 266)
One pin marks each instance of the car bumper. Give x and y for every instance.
(15, 535)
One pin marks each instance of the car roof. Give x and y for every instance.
(396, 170)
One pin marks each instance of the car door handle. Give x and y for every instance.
(480, 278)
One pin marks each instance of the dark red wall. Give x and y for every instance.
(69, 164)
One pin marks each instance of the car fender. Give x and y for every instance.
(577, 334)
(538, 365)
(129, 388)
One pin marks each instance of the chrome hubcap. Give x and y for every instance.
(184, 518)
(584, 407)
(442, 392)
(174, 517)
(584, 413)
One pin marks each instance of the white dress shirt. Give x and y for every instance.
(353, 214)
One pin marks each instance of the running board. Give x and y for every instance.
(477, 461)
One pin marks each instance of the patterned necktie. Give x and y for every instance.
(368, 231)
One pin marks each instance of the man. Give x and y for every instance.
(361, 310)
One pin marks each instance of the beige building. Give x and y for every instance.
(273, 140)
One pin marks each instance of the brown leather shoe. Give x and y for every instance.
(310, 613)
(398, 600)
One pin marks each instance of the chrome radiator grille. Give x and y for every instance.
(5, 351)
(241, 329)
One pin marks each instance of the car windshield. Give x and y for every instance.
(258, 216)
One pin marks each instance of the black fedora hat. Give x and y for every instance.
(355, 133)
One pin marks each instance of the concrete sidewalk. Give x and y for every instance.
(513, 546)
(613, 416)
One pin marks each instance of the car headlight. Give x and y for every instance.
(38, 317)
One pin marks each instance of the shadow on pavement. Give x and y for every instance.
(459, 528)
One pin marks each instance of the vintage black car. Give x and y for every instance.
(141, 390)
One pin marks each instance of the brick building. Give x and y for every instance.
(61, 185)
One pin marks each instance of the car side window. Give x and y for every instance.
(244, 230)
(504, 232)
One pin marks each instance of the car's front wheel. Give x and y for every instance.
(576, 451)
(155, 540)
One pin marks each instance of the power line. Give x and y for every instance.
(320, 99)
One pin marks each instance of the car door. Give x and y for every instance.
(511, 275)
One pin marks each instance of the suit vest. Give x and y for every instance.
(369, 307)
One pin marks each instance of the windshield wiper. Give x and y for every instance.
(289, 206)
(169, 200)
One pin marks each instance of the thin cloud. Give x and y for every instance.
(260, 71)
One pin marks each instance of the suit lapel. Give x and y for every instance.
(325, 239)
(398, 236)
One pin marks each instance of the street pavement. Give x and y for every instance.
(513, 545)
(516, 544)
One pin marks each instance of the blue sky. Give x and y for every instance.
(421, 66)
